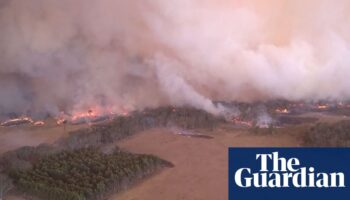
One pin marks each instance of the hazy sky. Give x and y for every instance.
(127, 54)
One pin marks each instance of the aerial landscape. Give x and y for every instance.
(140, 100)
(185, 148)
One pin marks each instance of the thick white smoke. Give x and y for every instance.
(62, 55)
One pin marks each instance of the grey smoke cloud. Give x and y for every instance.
(63, 55)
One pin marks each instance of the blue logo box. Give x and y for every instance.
(289, 173)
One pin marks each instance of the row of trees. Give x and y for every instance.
(85, 174)
(124, 126)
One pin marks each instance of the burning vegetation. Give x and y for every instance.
(262, 114)
(17, 121)
(282, 111)
(92, 115)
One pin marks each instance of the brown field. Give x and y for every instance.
(27, 135)
(200, 171)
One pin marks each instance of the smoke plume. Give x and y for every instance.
(63, 55)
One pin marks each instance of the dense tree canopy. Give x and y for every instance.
(85, 174)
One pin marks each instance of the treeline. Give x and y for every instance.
(124, 126)
(85, 174)
(328, 135)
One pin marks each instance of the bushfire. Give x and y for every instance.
(240, 122)
(282, 110)
(95, 114)
(322, 107)
(92, 115)
(17, 121)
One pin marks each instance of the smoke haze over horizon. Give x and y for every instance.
(61, 55)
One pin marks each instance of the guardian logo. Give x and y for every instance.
(285, 173)
(289, 173)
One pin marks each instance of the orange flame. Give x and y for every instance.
(61, 121)
(89, 115)
(39, 123)
(282, 110)
(322, 106)
(239, 121)
(27, 119)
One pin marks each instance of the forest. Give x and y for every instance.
(86, 173)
